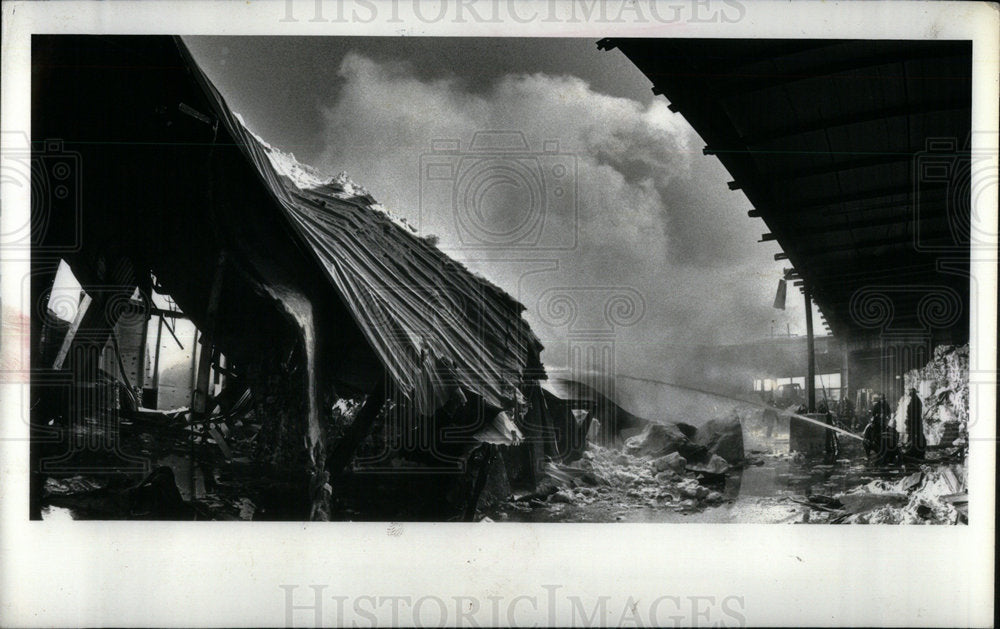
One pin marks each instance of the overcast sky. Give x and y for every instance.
(650, 215)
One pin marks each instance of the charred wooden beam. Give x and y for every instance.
(886, 159)
(343, 452)
(895, 242)
(156, 358)
(960, 100)
(736, 84)
(199, 397)
(81, 311)
(484, 472)
(849, 197)
(168, 314)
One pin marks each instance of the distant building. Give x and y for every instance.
(763, 366)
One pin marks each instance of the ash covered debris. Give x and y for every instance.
(674, 471)
(932, 495)
(647, 469)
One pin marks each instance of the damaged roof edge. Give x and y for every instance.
(372, 205)
(420, 310)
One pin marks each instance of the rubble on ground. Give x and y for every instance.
(666, 465)
(715, 465)
(934, 495)
(722, 437)
(625, 480)
(657, 440)
(672, 461)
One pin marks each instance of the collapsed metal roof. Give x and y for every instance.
(432, 322)
(173, 177)
(854, 153)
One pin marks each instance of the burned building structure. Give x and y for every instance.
(343, 367)
(319, 312)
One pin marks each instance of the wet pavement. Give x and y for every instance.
(770, 488)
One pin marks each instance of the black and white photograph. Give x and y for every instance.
(557, 311)
(644, 272)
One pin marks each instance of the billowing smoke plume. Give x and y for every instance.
(650, 212)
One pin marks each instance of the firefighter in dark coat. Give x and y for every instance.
(876, 425)
(915, 426)
(881, 408)
(831, 445)
(881, 439)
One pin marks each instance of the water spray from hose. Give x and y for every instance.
(752, 401)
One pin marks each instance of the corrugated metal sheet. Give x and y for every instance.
(432, 322)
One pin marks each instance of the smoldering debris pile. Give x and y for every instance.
(722, 437)
(666, 466)
(943, 387)
(620, 482)
(934, 495)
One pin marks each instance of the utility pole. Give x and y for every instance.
(811, 357)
